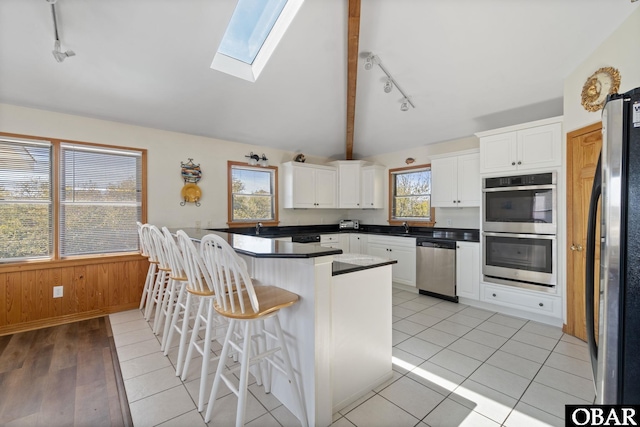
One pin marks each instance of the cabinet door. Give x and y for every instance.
(498, 153)
(304, 182)
(372, 187)
(469, 187)
(358, 243)
(379, 251)
(349, 186)
(539, 147)
(404, 271)
(444, 182)
(468, 270)
(325, 188)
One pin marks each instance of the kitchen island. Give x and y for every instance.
(339, 332)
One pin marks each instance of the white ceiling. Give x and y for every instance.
(469, 66)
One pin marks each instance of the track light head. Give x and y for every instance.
(58, 54)
(404, 106)
(369, 64)
(388, 86)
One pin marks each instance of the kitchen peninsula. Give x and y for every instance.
(339, 333)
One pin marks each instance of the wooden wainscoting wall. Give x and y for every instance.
(92, 287)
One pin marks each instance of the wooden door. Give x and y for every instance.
(583, 148)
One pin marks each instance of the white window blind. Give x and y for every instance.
(100, 199)
(25, 199)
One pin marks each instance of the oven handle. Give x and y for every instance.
(521, 236)
(520, 188)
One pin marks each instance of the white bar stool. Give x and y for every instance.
(146, 250)
(199, 286)
(248, 307)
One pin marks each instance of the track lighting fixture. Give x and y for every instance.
(57, 52)
(390, 83)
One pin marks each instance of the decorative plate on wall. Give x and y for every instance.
(191, 193)
(600, 84)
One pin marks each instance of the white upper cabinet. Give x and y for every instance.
(535, 145)
(455, 181)
(360, 186)
(372, 187)
(348, 183)
(309, 186)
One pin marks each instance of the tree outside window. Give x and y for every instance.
(252, 194)
(410, 194)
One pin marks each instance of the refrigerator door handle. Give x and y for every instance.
(592, 239)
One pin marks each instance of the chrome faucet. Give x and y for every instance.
(406, 227)
(258, 227)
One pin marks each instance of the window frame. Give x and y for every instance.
(250, 223)
(56, 160)
(415, 223)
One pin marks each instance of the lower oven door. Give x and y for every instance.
(526, 260)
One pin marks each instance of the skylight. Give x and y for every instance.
(254, 31)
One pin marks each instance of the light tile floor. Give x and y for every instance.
(454, 365)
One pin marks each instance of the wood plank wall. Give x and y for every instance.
(92, 287)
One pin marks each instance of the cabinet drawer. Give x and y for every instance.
(329, 238)
(549, 305)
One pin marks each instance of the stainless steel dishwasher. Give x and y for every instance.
(436, 269)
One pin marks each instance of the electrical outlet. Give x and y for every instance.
(57, 291)
(198, 224)
(449, 222)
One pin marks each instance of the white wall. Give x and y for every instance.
(621, 51)
(165, 152)
(458, 217)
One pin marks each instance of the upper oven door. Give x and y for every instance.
(526, 209)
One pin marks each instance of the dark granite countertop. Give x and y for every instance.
(260, 247)
(431, 233)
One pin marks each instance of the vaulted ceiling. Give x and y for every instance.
(468, 65)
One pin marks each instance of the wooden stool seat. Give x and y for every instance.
(271, 299)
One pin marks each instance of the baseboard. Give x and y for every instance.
(61, 320)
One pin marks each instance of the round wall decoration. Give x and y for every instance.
(603, 82)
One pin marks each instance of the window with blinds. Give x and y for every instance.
(25, 199)
(411, 194)
(100, 199)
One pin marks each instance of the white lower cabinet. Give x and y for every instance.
(522, 299)
(358, 243)
(336, 241)
(468, 270)
(402, 249)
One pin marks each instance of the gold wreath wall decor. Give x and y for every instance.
(603, 82)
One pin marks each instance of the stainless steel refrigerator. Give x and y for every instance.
(616, 355)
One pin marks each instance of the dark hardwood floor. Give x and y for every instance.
(62, 376)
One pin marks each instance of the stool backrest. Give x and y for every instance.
(176, 260)
(229, 273)
(199, 278)
(147, 242)
(143, 249)
(159, 247)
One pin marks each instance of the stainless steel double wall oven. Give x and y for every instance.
(519, 230)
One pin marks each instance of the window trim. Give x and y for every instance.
(55, 182)
(414, 223)
(234, 224)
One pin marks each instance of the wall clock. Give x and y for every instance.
(603, 82)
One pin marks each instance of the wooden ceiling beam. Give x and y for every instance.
(353, 36)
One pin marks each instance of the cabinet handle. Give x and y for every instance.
(357, 204)
(454, 201)
(458, 247)
(541, 305)
(494, 295)
(519, 162)
(458, 201)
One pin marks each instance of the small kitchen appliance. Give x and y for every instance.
(349, 224)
